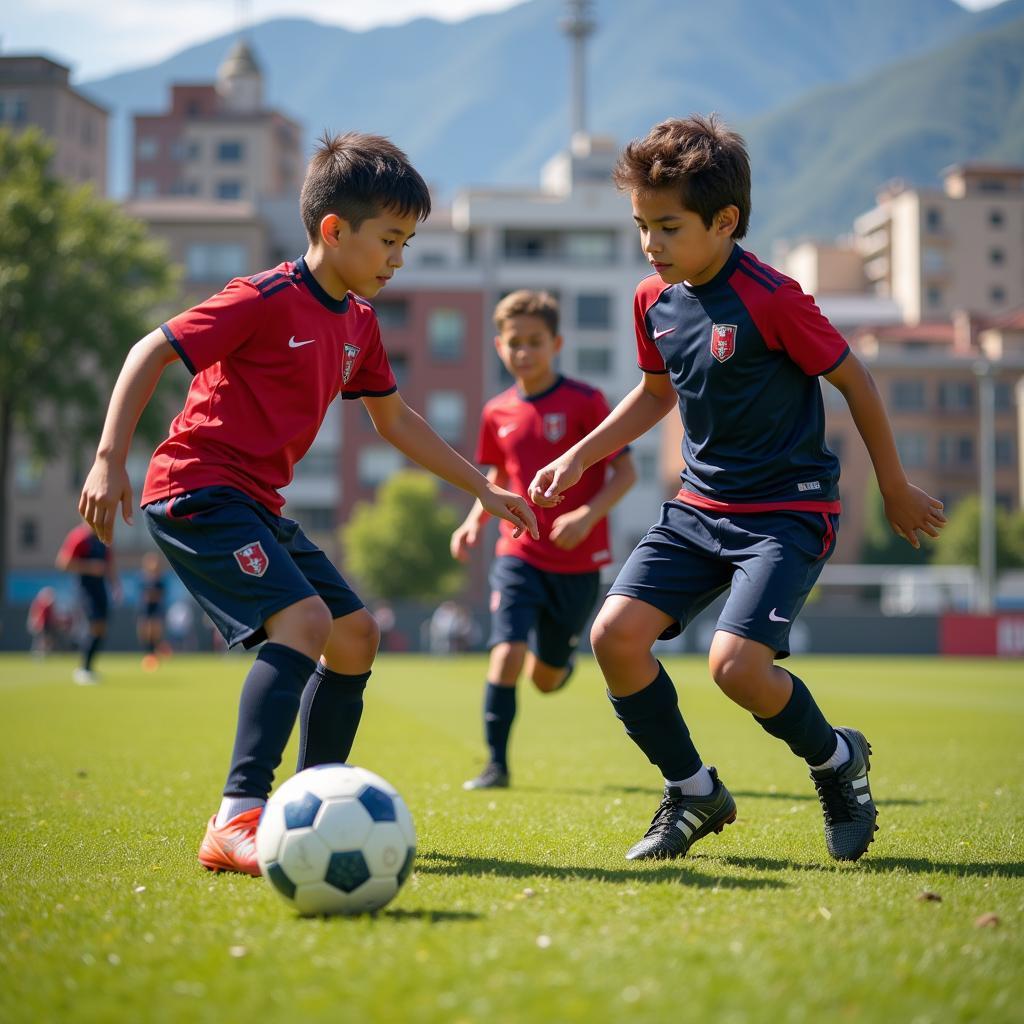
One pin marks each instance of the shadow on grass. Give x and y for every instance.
(765, 794)
(430, 916)
(880, 865)
(448, 864)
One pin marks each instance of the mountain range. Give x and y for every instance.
(834, 96)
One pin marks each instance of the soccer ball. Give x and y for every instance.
(336, 839)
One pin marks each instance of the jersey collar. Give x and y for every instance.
(541, 394)
(720, 278)
(325, 300)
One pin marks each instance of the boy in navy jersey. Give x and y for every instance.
(84, 555)
(739, 348)
(269, 354)
(548, 586)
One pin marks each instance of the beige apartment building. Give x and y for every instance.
(36, 91)
(935, 251)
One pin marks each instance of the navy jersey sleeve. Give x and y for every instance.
(209, 332)
(648, 358)
(488, 451)
(800, 329)
(371, 376)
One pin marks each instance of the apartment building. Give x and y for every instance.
(935, 251)
(36, 91)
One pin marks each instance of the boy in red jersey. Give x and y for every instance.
(739, 348)
(547, 586)
(269, 354)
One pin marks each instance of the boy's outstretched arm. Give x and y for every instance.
(107, 484)
(572, 529)
(907, 507)
(468, 533)
(640, 410)
(414, 437)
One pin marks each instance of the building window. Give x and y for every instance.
(399, 367)
(215, 261)
(146, 187)
(956, 451)
(907, 395)
(996, 218)
(530, 245)
(594, 311)
(991, 185)
(956, 395)
(392, 314)
(1005, 453)
(997, 257)
(377, 463)
(446, 413)
(28, 475)
(432, 258)
(28, 534)
(230, 151)
(933, 261)
(147, 147)
(913, 449)
(934, 296)
(590, 248)
(594, 360)
(185, 150)
(229, 189)
(446, 330)
(933, 218)
(997, 294)
(1003, 396)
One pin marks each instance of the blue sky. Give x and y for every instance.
(98, 38)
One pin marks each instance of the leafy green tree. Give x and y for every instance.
(960, 540)
(79, 284)
(882, 546)
(397, 546)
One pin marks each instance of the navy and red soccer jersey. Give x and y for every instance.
(82, 543)
(744, 352)
(520, 434)
(269, 354)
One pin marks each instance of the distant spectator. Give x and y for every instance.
(152, 596)
(44, 622)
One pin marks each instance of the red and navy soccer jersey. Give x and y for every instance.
(81, 543)
(744, 352)
(269, 354)
(520, 434)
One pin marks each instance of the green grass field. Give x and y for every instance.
(521, 906)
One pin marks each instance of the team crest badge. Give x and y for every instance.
(252, 559)
(351, 351)
(723, 341)
(554, 426)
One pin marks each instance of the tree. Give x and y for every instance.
(398, 545)
(883, 547)
(960, 544)
(79, 282)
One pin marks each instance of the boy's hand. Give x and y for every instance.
(556, 477)
(572, 529)
(511, 507)
(464, 538)
(106, 487)
(910, 509)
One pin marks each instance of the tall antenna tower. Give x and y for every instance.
(578, 26)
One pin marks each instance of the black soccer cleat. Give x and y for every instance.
(846, 803)
(681, 820)
(492, 777)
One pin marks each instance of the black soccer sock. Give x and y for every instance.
(266, 714)
(499, 713)
(655, 724)
(329, 714)
(90, 648)
(802, 725)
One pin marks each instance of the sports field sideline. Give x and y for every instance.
(521, 906)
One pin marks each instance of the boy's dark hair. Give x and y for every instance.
(528, 303)
(702, 158)
(357, 177)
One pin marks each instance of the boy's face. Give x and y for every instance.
(675, 239)
(527, 347)
(364, 260)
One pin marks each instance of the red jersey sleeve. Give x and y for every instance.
(803, 332)
(76, 545)
(488, 453)
(648, 358)
(209, 332)
(371, 376)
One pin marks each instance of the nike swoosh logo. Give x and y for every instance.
(292, 343)
(507, 429)
(661, 334)
(776, 618)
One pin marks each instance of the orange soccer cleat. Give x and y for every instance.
(232, 847)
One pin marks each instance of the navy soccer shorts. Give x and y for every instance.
(95, 598)
(553, 606)
(242, 563)
(768, 561)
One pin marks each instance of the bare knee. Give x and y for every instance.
(305, 626)
(612, 639)
(506, 662)
(743, 673)
(353, 641)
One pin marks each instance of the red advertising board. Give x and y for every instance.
(1000, 635)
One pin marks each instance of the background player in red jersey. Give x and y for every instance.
(542, 587)
(84, 555)
(739, 348)
(269, 354)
